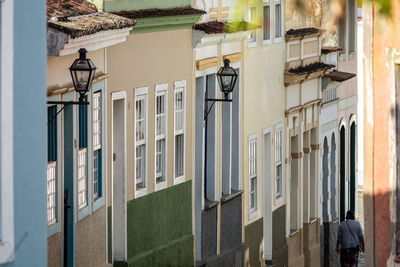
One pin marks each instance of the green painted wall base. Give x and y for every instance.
(159, 228)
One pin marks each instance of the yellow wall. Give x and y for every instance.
(146, 60)
(264, 102)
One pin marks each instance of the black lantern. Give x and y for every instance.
(82, 73)
(227, 77)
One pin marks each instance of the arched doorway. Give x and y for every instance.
(352, 184)
(342, 166)
(333, 179)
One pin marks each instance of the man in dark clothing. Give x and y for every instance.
(351, 241)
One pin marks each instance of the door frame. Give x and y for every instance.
(268, 192)
(117, 96)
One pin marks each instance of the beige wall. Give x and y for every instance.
(90, 240)
(58, 75)
(146, 60)
(264, 106)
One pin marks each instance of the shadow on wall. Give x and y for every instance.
(379, 232)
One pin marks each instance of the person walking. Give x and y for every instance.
(350, 240)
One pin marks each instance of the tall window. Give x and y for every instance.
(141, 137)
(179, 131)
(253, 174)
(161, 122)
(352, 25)
(267, 21)
(278, 163)
(252, 19)
(97, 172)
(82, 178)
(82, 157)
(278, 19)
(51, 165)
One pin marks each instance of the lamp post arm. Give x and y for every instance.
(206, 112)
(64, 103)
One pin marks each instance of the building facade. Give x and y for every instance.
(149, 135)
(264, 132)
(218, 137)
(76, 154)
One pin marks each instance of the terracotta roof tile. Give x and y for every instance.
(328, 49)
(339, 76)
(155, 12)
(215, 27)
(89, 24)
(303, 31)
(69, 8)
(212, 27)
(318, 66)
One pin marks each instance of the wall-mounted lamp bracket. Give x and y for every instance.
(213, 100)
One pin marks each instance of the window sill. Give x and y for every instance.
(234, 194)
(266, 42)
(252, 44)
(278, 201)
(179, 180)
(294, 232)
(253, 214)
(53, 229)
(278, 40)
(141, 192)
(83, 212)
(160, 186)
(98, 203)
(210, 204)
(6, 252)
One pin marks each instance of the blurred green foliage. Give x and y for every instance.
(384, 6)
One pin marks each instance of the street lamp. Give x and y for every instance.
(82, 73)
(227, 77)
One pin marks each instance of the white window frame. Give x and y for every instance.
(96, 134)
(83, 178)
(161, 89)
(279, 39)
(7, 140)
(52, 191)
(252, 43)
(278, 150)
(141, 94)
(267, 41)
(253, 211)
(180, 86)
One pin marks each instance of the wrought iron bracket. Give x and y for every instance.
(65, 103)
(213, 100)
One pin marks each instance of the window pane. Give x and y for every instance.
(278, 20)
(96, 120)
(179, 155)
(252, 18)
(267, 23)
(140, 120)
(82, 178)
(51, 192)
(179, 109)
(140, 166)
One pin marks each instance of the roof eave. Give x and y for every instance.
(62, 44)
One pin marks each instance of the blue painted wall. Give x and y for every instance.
(30, 145)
